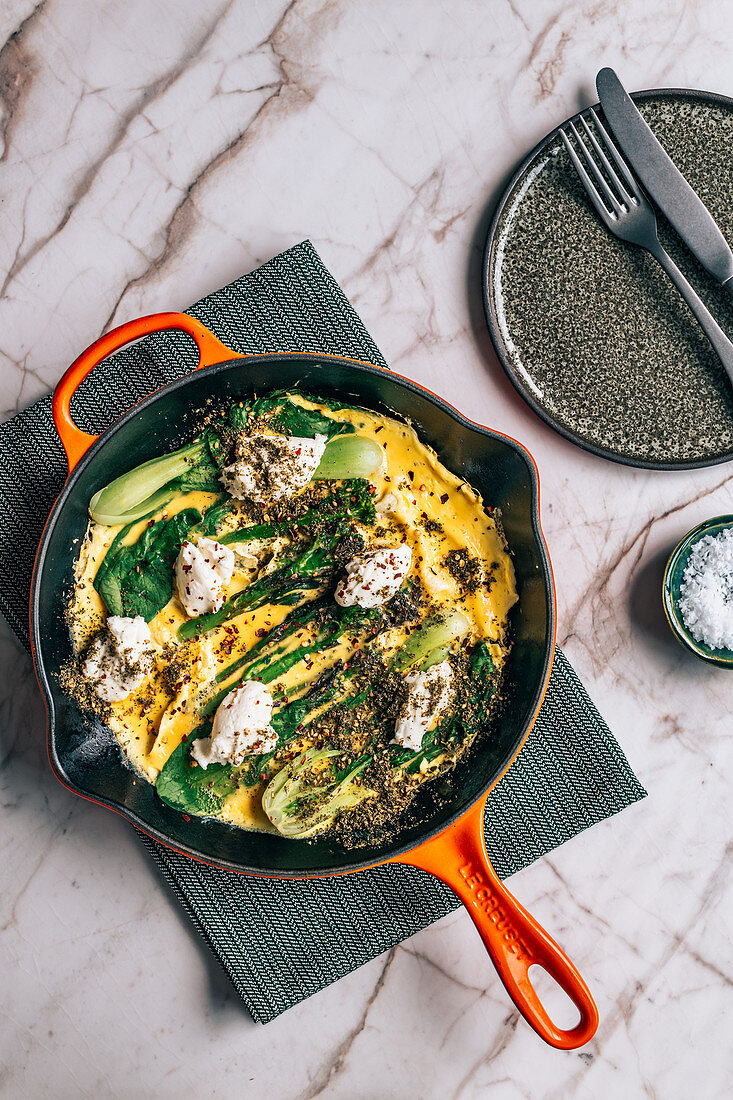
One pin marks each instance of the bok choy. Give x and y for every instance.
(431, 642)
(144, 489)
(306, 796)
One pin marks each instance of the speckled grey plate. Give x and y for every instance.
(588, 328)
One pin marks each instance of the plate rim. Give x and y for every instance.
(488, 286)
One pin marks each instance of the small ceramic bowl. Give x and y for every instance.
(722, 658)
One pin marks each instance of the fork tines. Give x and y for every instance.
(627, 191)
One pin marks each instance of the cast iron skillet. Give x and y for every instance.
(448, 842)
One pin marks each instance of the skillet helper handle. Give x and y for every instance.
(76, 442)
(512, 937)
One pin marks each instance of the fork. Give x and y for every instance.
(627, 212)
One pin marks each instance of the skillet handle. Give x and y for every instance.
(513, 939)
(76, 442)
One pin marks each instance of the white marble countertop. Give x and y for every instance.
(152, 152)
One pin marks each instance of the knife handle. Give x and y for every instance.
(707, 322)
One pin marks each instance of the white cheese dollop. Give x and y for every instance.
(118, 664)
(372, 579)
(202, 570)
(241, 727)
(271, 467)
(428, 698)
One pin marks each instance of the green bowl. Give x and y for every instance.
(722, 658)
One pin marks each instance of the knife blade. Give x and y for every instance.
(661, 177)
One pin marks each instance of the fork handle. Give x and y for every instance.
(707, 322)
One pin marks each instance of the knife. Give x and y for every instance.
(682, 206)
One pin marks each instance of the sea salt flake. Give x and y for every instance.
(706, 591)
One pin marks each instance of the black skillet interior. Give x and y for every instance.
(83, 751)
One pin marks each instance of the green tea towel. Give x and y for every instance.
(279, 942)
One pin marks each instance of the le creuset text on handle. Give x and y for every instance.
(512, 937)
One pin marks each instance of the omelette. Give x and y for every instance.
(296, 621)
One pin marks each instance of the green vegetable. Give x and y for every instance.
(349, 456)
(354, 498)
(113, 552)
(213, 516)
(205, 478)
(291, 419)
(132, 495)
(302, 572)
(289, 719)
(296, 808)
(483, 686)
(357, 494)
(269, 666)
(419, 651)
(431, 641)
(239, 417)
(198, 465)
(285, 590)
(305, 796)
(285, 416)
(434, 657)
(292, 623)
(145, 508)
(138, 579)
(267, 530)
(469, 722)
(189, 788)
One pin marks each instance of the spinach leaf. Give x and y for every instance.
(239, 416)
(330, 402)
(107, 564)
(138, 580)
(293, 420)
(109, 589)
(204, 477)
(483, 681)
(217, 450)
(187, 787)
(213, 516)
(259, 407)
(290, 419)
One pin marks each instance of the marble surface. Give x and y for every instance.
(150, 152)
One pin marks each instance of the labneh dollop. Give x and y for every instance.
(118, 662)
(202, 569)
(272, 467)
(241, 727)
(428, 698)
(372, 579)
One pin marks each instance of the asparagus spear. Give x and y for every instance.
(302, 572)
(270, 666)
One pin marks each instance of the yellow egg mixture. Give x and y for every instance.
(150, 723)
